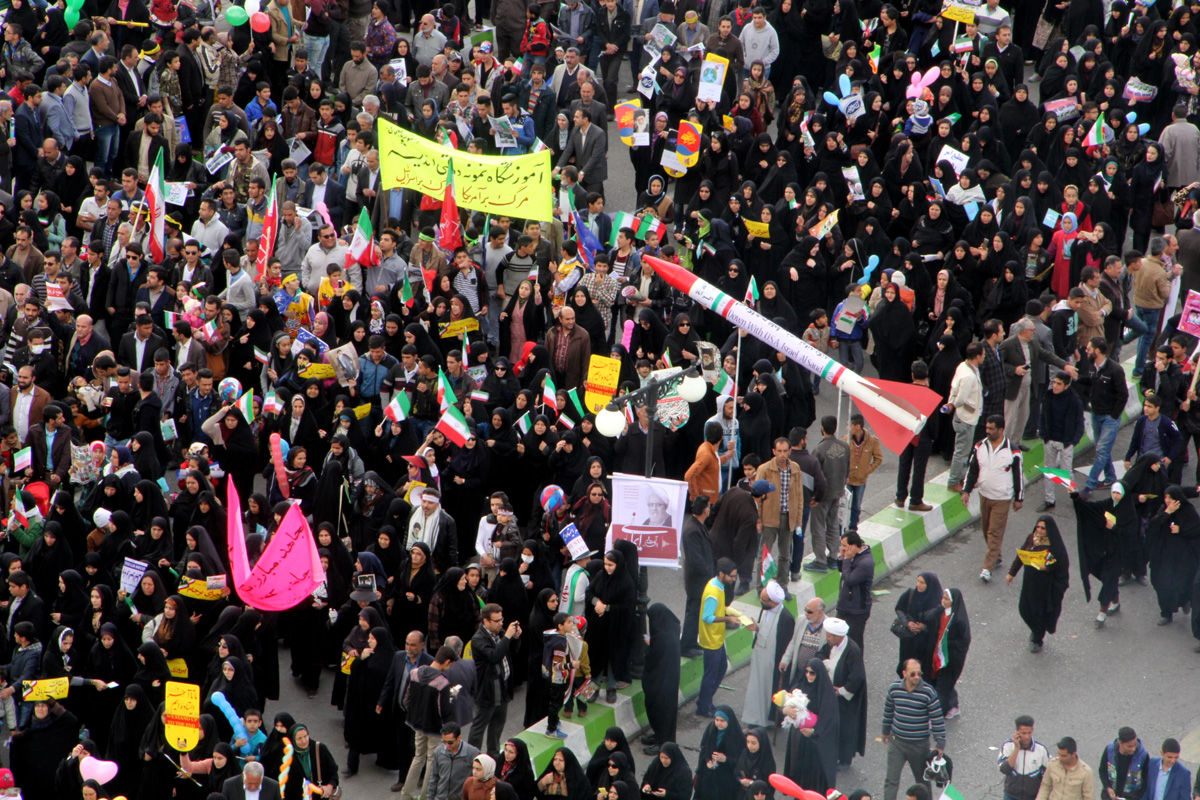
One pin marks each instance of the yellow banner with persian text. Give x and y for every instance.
(514, 186)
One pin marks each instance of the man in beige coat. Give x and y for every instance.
(1151, 288)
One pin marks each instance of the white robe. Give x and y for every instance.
(764, 670)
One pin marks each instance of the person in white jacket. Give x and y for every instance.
(965, 403)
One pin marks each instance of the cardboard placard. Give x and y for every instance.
(45, 689)
(182, 711)
(603, 378)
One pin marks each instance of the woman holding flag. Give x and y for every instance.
(953, 640)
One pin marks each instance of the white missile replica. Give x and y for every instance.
(896, 411)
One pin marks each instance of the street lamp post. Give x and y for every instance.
(610, 421)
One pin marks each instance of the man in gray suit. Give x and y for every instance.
(251, 785)
(1023, 357)
(587, 149)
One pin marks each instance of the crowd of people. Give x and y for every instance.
(974, 199)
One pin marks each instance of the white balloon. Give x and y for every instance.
(252, 6)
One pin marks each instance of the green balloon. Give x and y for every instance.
(75, 5)
(236, 16)
(71, 17)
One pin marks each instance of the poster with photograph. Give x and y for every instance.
(648, 512)
(641, 127)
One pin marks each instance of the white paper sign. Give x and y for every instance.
(854, 182)
(177, 193)
(132, 571)
(712, 78)
(670, 160)
(298, 151)
(55, 300)
(504, 136)
(217, 161)
(573, 539)
(646, 82)
(957, 159)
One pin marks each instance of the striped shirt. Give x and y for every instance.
(913, 715)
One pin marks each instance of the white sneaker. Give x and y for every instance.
(1101, 618)
(952, 713)
(1114, 608)
(985, 575)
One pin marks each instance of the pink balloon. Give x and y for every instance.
(100, 771)
(260, 22)
(785, 785)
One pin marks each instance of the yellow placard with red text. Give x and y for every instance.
(603, 378)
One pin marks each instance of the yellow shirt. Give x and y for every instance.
(712, 634)
(325, 293)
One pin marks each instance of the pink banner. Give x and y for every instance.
(288, 570)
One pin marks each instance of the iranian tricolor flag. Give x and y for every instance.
(769, 569)
(724, 384)
(362, 246)
(1059, 476)
(449, 228)
(648, 225)
(950, 793)
(941, 657)
(549, 393)
(446, 396)
(575, 401)
(406, 291)
(245, 404)
(272, 404)
(270, 229)
(751, 292)
(623, 219)
(400, 407)
(523, 423)
(156, 206)
(455, 426)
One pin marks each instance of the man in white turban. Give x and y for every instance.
(772, 633)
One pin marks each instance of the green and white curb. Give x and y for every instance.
(895, 536)
(584, 734)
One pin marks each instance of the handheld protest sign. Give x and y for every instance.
(182, 727)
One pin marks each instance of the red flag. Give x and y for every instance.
(266, 243)
(449, 230)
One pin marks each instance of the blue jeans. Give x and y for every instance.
(1148, 317)
(849, 353)
(318, 48)
(715, 664)
(106, 147)
(1104, 433)
(856, 498)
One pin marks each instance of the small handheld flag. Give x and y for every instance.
(245, 404)
(454, 425)
(399, 408)
(1060, 476)
(272, 404)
